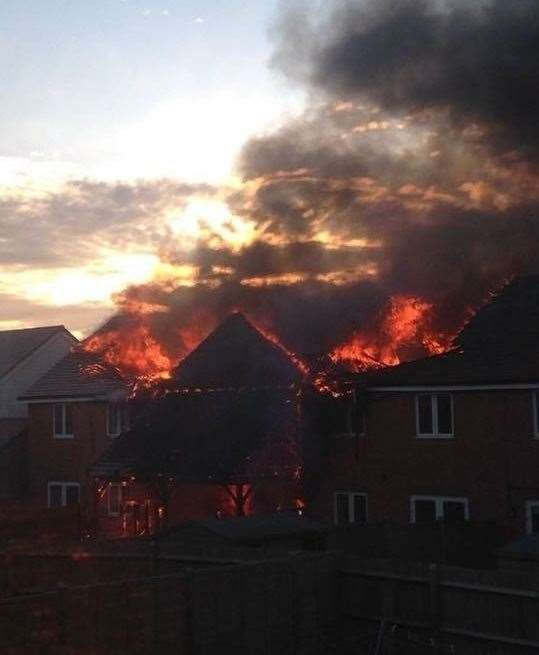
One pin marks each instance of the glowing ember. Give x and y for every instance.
(405, 324)
(133, 351)
(271, 336)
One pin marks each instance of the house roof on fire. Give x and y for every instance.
(17, 345)
(236, 355)
(226, 419)
(79, 374)
(498, 346)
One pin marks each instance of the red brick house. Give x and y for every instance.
(25, 355)
(453, 437)
(75, 411)
(222, 439)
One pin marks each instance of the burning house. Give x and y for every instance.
(222, 438)
(452, 437)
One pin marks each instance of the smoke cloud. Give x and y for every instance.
(413, 171)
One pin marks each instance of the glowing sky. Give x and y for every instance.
(305, 160)
(112, 93)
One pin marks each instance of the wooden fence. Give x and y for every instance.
(276, 607)
(442, 609)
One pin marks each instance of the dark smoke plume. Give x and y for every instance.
(414, 171)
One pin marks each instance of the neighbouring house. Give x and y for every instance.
(25, 355)
(75, 411)
(453, 437)
(223, 440)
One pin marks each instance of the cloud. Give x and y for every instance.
(475, 62)
(413, 170)
(70, 226)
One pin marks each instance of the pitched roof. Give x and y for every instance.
(457, 368)
(78, 375)
(237, 355)
(497, 346)
(16, 345)
(509, 322)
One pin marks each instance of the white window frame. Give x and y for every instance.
(535, 414)
(119, 408)
(350, 433)
(61, 435)
(351, 506)
(530, 504)
(434, 415)
(439, 505)
(120, 498)
(64, 485)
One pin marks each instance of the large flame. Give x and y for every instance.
(134, 351)
(404, 330)
(405, 325)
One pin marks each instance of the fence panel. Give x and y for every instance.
(444, 607)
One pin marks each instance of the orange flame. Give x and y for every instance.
(134, 351)
(407, 322)
(271, 336)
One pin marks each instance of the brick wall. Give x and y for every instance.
(64, 460)
(189, 501)
(492, 460)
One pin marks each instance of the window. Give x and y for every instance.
(350, 507)
(348, 419)
(427, 509)
(63, 420)
(115, 418)
(62, 494)
(535, 409)
(434, 415)
(115, 497)
(532, 516)
(356, 416)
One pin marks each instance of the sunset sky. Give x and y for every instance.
(119, 91)
(305, 161)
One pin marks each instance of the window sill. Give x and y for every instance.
(436, 437)
(63, 436)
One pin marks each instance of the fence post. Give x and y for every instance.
(435, 606)
(189, 613)
(155, 598)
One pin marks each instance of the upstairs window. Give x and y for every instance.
(348, 419)
(115, 498)
(434, 415)
(116, 414)
(62, 494)
(63, 420)
(532, 516)
(350, 507)
(428, 509)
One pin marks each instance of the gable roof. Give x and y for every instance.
(17, 345)
(508, 322)
(79, 374)
(458, 369)
(237, 355)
